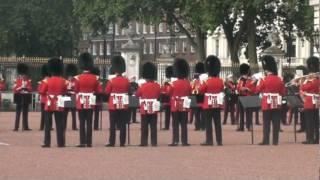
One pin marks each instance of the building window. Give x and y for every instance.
(94, 49)
(160, 48)
(176, 47)
(152, 29)
(144, 29)
(101, 49)
(145, 51)
(110, 29)
(217, 47)
(137, 28)
(168, 28)
(184, 46)
(192, 50)
(108, 49)
(151, 48)
(161, 27)
(117, 29)
(291, 48)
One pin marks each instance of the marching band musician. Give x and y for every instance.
(311, 95)
(230, 99)
(149, 93)
(165, 98)
(180, 102)
(195, 84)
(245, 87)
(2, 87)
(54, 88)
(213, 89)
(22, 96)
(117, 89)
(71, 71)
(272, 89)
(43, 97)
(98, 106)
(87, 85)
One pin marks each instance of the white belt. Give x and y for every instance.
(84, 97)
(186, 101)
(315, 98)
(212, 98)
(150, 105)
(60, 100)
(120, 98)
(270, 99)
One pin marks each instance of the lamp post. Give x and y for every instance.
(316, 39)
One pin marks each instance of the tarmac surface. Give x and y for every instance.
(21, 156)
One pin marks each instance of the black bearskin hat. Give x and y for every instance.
(269, 64)
(169, 72)
(44, 70)
(149, 71)
(71, 70)
(313, 64)
(244, 69)
(22, 69)
(86, 61)
(180, 68)
(118, 64)
(55, 66)
(213, 65)
(95, 71)
(303, 68)
(200, 69)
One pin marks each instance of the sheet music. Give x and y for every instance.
(203, 77)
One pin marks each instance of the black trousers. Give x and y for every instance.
(284, 110)
(121, 118)
(133, 114)
(25, 111)
(58, 117)
(302, 121)
(199, 120)
(146, 121)
(180, 118)
(43, 117)
(229, 107)
(85, 117)
(96, 117)
(256, 111)
(167, 116)
(312, 125)
(273, 116)
(248, 113)
(215, 115)
(73, 115)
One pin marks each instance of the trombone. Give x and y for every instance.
(297, 81)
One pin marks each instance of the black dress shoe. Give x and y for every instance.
(185, 144)
(154, 145)
(263, 144)
(275, 144)
(109, 145)
(240, 129)
(89, 145)
(173, 144)
(308, 142)
(143, 145)
(75, 129)
(81, 146)
(15, 129)
(220, 144)
(135, 122)
(45, 146)
(28, 129)
(61, 146)
(197, 129)
(122, 145)
(165, 129)
(300, 131)
(224, 123)
(41, 129)
(280, 130)
(206, 144)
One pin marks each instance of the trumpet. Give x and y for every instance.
(298, 80)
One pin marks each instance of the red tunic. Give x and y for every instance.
(43, 97)
(213, 85)
(309, 89)
(148, 90)
(270, 84)
(232, 86)
(117, 85)
(180, 88)
(249, 86)
(164, 91)
(71, 84)
(86, 85)
(20, 82)
(53, 87)
(2, 87)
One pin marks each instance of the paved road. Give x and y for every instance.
(237, 159)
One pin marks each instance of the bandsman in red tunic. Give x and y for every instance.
(54, 88)
(98, 106)
(43, 97)
(272, 89)
(310, 91)
(2, 87)
(180, 102)
(71, 71)
(213, 102)
(117, 89)
(245, 87)
(87, 85)
(149, 93)
(195, 85)
(22, 96)
(165, 98)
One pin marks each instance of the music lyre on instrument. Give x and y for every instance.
(295, 82)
